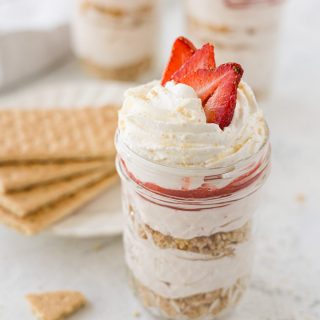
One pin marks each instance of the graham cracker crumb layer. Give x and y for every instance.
(139, 11)
(218, 245)
(198, 306)
(194, 26)
(124, 73)
(217, 28)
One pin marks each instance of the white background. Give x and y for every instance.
(286, 280)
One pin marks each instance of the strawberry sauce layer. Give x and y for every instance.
(207, 190)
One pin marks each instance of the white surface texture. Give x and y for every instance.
(286, 278)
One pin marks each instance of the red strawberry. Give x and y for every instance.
(217, 90)
(182, 49)
(220, 106)
(203, 81)
(202, 59)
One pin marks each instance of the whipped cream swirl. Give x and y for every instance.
(167, 125)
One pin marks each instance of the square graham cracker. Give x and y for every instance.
(56, 305)
(26, 202)
(45, 217)
(21, 176)
(57, 134)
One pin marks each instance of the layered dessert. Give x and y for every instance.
(193, 152)
(242, 30)
(114, 38)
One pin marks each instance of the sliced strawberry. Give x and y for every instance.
(182, 49)
(202, 59)
(217, 90)
(220, 106)
(203, 81)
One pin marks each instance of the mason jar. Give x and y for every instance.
(114, 39)
(246, 31)
(188, 235)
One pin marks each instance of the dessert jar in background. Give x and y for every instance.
(114, 39)
(188, 235)
(245, 31)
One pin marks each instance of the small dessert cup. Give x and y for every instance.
(242, 30)
(115, 39)
(189, 241)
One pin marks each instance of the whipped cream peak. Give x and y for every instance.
(167, 125)
(172, 104)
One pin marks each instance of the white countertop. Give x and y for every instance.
(286, 279)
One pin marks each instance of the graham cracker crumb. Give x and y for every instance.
(219, 245)
(193, 307)
(136, 314)
(99, 246)
(300, 198)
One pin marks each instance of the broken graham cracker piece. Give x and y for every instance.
(20, 176)
(56, 305)
(57, 134)
(45, 217)
(26, 202)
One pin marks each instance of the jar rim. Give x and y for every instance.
(239, 164)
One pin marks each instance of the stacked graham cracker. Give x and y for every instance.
(53, 161)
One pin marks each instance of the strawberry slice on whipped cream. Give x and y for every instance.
(215, 86)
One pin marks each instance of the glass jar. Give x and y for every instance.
(188, 237)
(246, 31)
(114, 39)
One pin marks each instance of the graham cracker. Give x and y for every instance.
(56, 305)
(57, 134)
(46, 216)
(26, 202)
(16, 177)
